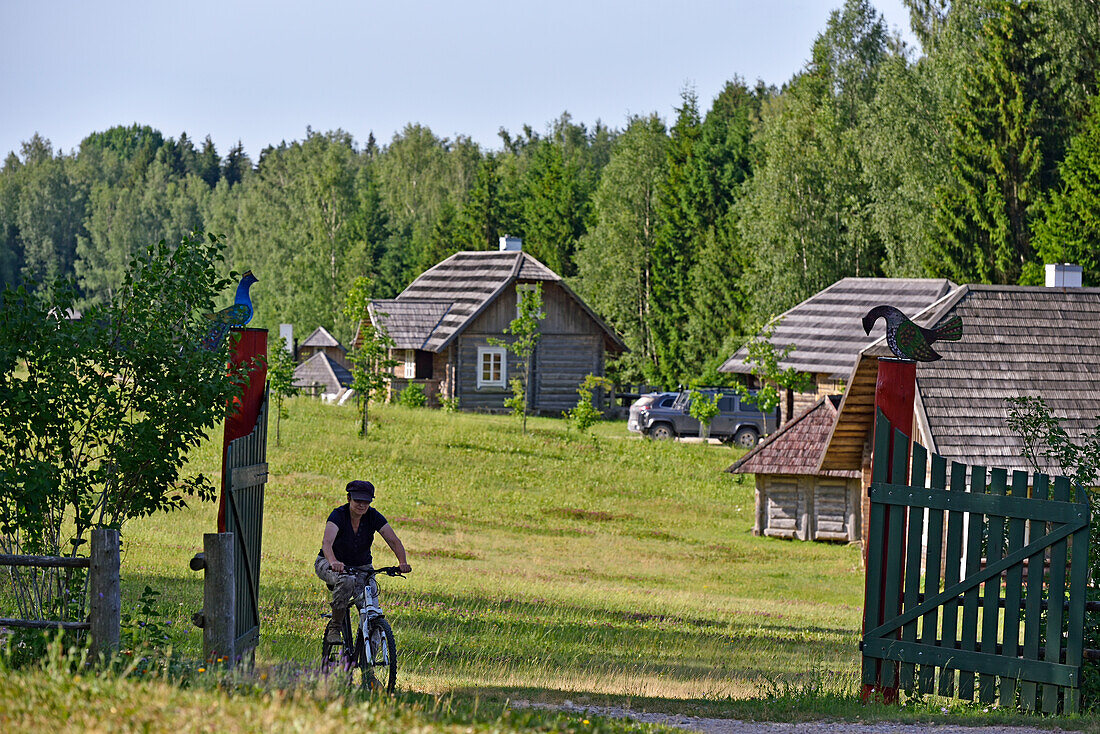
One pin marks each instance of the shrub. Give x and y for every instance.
(413, 396)
(585, 415)
(99, 412)
(449, 405)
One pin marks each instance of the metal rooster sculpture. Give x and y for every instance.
(909, 341)
(239, 314)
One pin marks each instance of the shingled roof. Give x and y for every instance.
(825, 328)
(795, 448)
(410, 322)
(321, 369)
(435, 308)
(1017, 341)
(321, 338)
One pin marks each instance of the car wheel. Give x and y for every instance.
(746, 438)
(662, 432)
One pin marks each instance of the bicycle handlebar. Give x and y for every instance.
(388, 570)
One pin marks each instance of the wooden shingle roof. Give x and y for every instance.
(796, 447)
(321, 338)
(321, 369)
(456, 291)
(1017, 341)
(410, 322)
(825, 328)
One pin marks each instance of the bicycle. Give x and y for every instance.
(373, 652)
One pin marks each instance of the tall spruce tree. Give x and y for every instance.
(983, 212)
(1069, 231)
(674, 249)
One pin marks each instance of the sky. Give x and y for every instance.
(261, 72)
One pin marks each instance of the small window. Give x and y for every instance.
(491, 367)
(727, 405)
(410, 364)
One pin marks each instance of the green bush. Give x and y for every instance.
(413, 396)
(100, 412)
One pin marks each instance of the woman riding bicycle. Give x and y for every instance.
(347, 540)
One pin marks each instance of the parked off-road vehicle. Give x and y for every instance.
(736, 423)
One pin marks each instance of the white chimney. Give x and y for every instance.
(286, 331)
(1063, 275)
(511, 244)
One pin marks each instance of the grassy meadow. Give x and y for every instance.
(548, 567)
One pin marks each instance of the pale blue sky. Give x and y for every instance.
(262, 71)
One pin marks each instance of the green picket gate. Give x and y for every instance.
(973, 579)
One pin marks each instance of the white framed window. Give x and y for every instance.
(491, 367)
(410, 364)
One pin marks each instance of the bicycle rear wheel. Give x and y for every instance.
(379, 659)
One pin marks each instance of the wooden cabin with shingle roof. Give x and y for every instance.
(827, 336)
(794, 498)
(1017, 341)
(321, 340)
(442, 322)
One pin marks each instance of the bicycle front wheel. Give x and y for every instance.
(379, 657)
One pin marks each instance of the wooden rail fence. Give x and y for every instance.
(105, 606)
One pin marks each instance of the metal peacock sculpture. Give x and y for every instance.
(909, 341)
(239, 314)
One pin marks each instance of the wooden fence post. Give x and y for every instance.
(219, 598)
(105, 610)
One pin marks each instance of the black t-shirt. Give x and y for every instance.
(353, 548)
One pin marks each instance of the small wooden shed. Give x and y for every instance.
(321, 340)
(795, 499)
(826, 334)
(442, 322)
(321, 376)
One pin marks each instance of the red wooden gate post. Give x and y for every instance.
(242, 419)
(895, 391)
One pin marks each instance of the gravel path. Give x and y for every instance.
(734, 726)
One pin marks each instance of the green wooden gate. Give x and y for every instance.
(1002, 594)
(246, 468)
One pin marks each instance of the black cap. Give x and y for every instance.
(360, 489)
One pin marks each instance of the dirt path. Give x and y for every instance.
(734, 726)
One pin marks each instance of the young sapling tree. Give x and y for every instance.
(371, 364)
(525, 330)
(280, 375)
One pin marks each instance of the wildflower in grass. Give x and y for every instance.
(202, 670)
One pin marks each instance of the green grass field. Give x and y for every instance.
(546, 567)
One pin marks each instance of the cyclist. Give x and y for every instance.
(349, 532)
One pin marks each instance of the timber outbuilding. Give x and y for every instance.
(825, 334)
(794, 498)
(322, 340)
(322, 376)
(1017, 342)
(442, 323)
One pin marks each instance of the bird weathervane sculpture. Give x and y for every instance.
(909, 341)
(237, 315)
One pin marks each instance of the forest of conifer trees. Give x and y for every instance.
(974, 157)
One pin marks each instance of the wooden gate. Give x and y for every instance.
(246, 471)
(1002, 595)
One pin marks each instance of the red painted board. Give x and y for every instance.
(244, 411)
